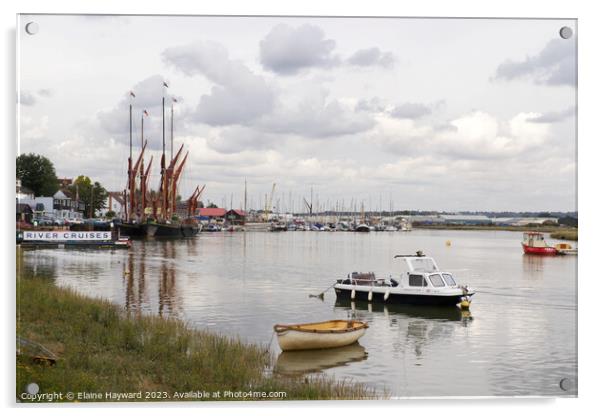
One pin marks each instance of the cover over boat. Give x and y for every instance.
(318, 335)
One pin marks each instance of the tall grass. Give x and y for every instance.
(571, 235)
(103, 349)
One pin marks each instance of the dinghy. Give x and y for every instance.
(318, 335)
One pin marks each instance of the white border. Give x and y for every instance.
(590, 111)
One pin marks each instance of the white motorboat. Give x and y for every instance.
(422, 284)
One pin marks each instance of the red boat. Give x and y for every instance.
(533, 243)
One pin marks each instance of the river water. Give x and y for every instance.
(519, 338)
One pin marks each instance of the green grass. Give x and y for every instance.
(571, 234)
(103, 349)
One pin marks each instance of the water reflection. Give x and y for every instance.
(134, 274)
(533, 266)
(167, 280)
(141, 274)
(304, 362)
(42, 267)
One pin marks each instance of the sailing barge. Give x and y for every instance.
(154, 214)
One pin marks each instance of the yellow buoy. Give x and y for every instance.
(465, 304)
(448, 243)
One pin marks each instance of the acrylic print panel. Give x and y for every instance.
(189, 187)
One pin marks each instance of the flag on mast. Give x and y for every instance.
(174, 99)
(145, 113)
(132, 94)
(165, 84)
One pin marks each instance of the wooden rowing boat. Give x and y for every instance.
(317, 335)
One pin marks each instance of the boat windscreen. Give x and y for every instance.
(422, 264)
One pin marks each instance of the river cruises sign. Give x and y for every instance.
(66, 235)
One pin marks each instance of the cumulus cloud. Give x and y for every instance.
(553, 65)
(554, 116)
(318, 117)
(371, 57)
(26, 98)
(473, 136)
(235, 139)
(373, 105)
(115, 121)
(239, 95)
(411, 110)
(244, 99)
(287, 51)
(34, 129)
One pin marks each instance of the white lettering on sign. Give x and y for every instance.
(66, 235)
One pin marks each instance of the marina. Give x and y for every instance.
(243, 283)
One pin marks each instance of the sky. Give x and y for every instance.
(392, 113)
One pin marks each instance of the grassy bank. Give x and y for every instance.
(571, 235)
(102, 349)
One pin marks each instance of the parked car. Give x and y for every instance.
(44, 221)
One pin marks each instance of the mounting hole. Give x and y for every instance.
(32, 28)
(32, 388)
(566, 32)
(566, 384)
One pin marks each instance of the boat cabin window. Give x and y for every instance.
(449, 279)
(436, 280)
(417, 280)
(530, 237)
(425, 265)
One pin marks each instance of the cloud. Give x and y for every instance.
(235, 139)
(554, 116)
(554, 65)
(411, 111)
(373, 105)
(115, 121)
(239, 95)
(474, 136)
(33, 129)
(26, 98)
(372, 57)
(316, 116)
(244, 99)
(287, 51)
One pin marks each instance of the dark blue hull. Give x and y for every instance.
(400, 299)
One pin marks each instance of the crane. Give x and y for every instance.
(268, 203)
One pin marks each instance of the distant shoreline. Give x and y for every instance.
(562, 233)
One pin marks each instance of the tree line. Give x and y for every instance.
(37, 173)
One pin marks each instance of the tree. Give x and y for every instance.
(93, 195)
(37, 173)
(212, 205)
